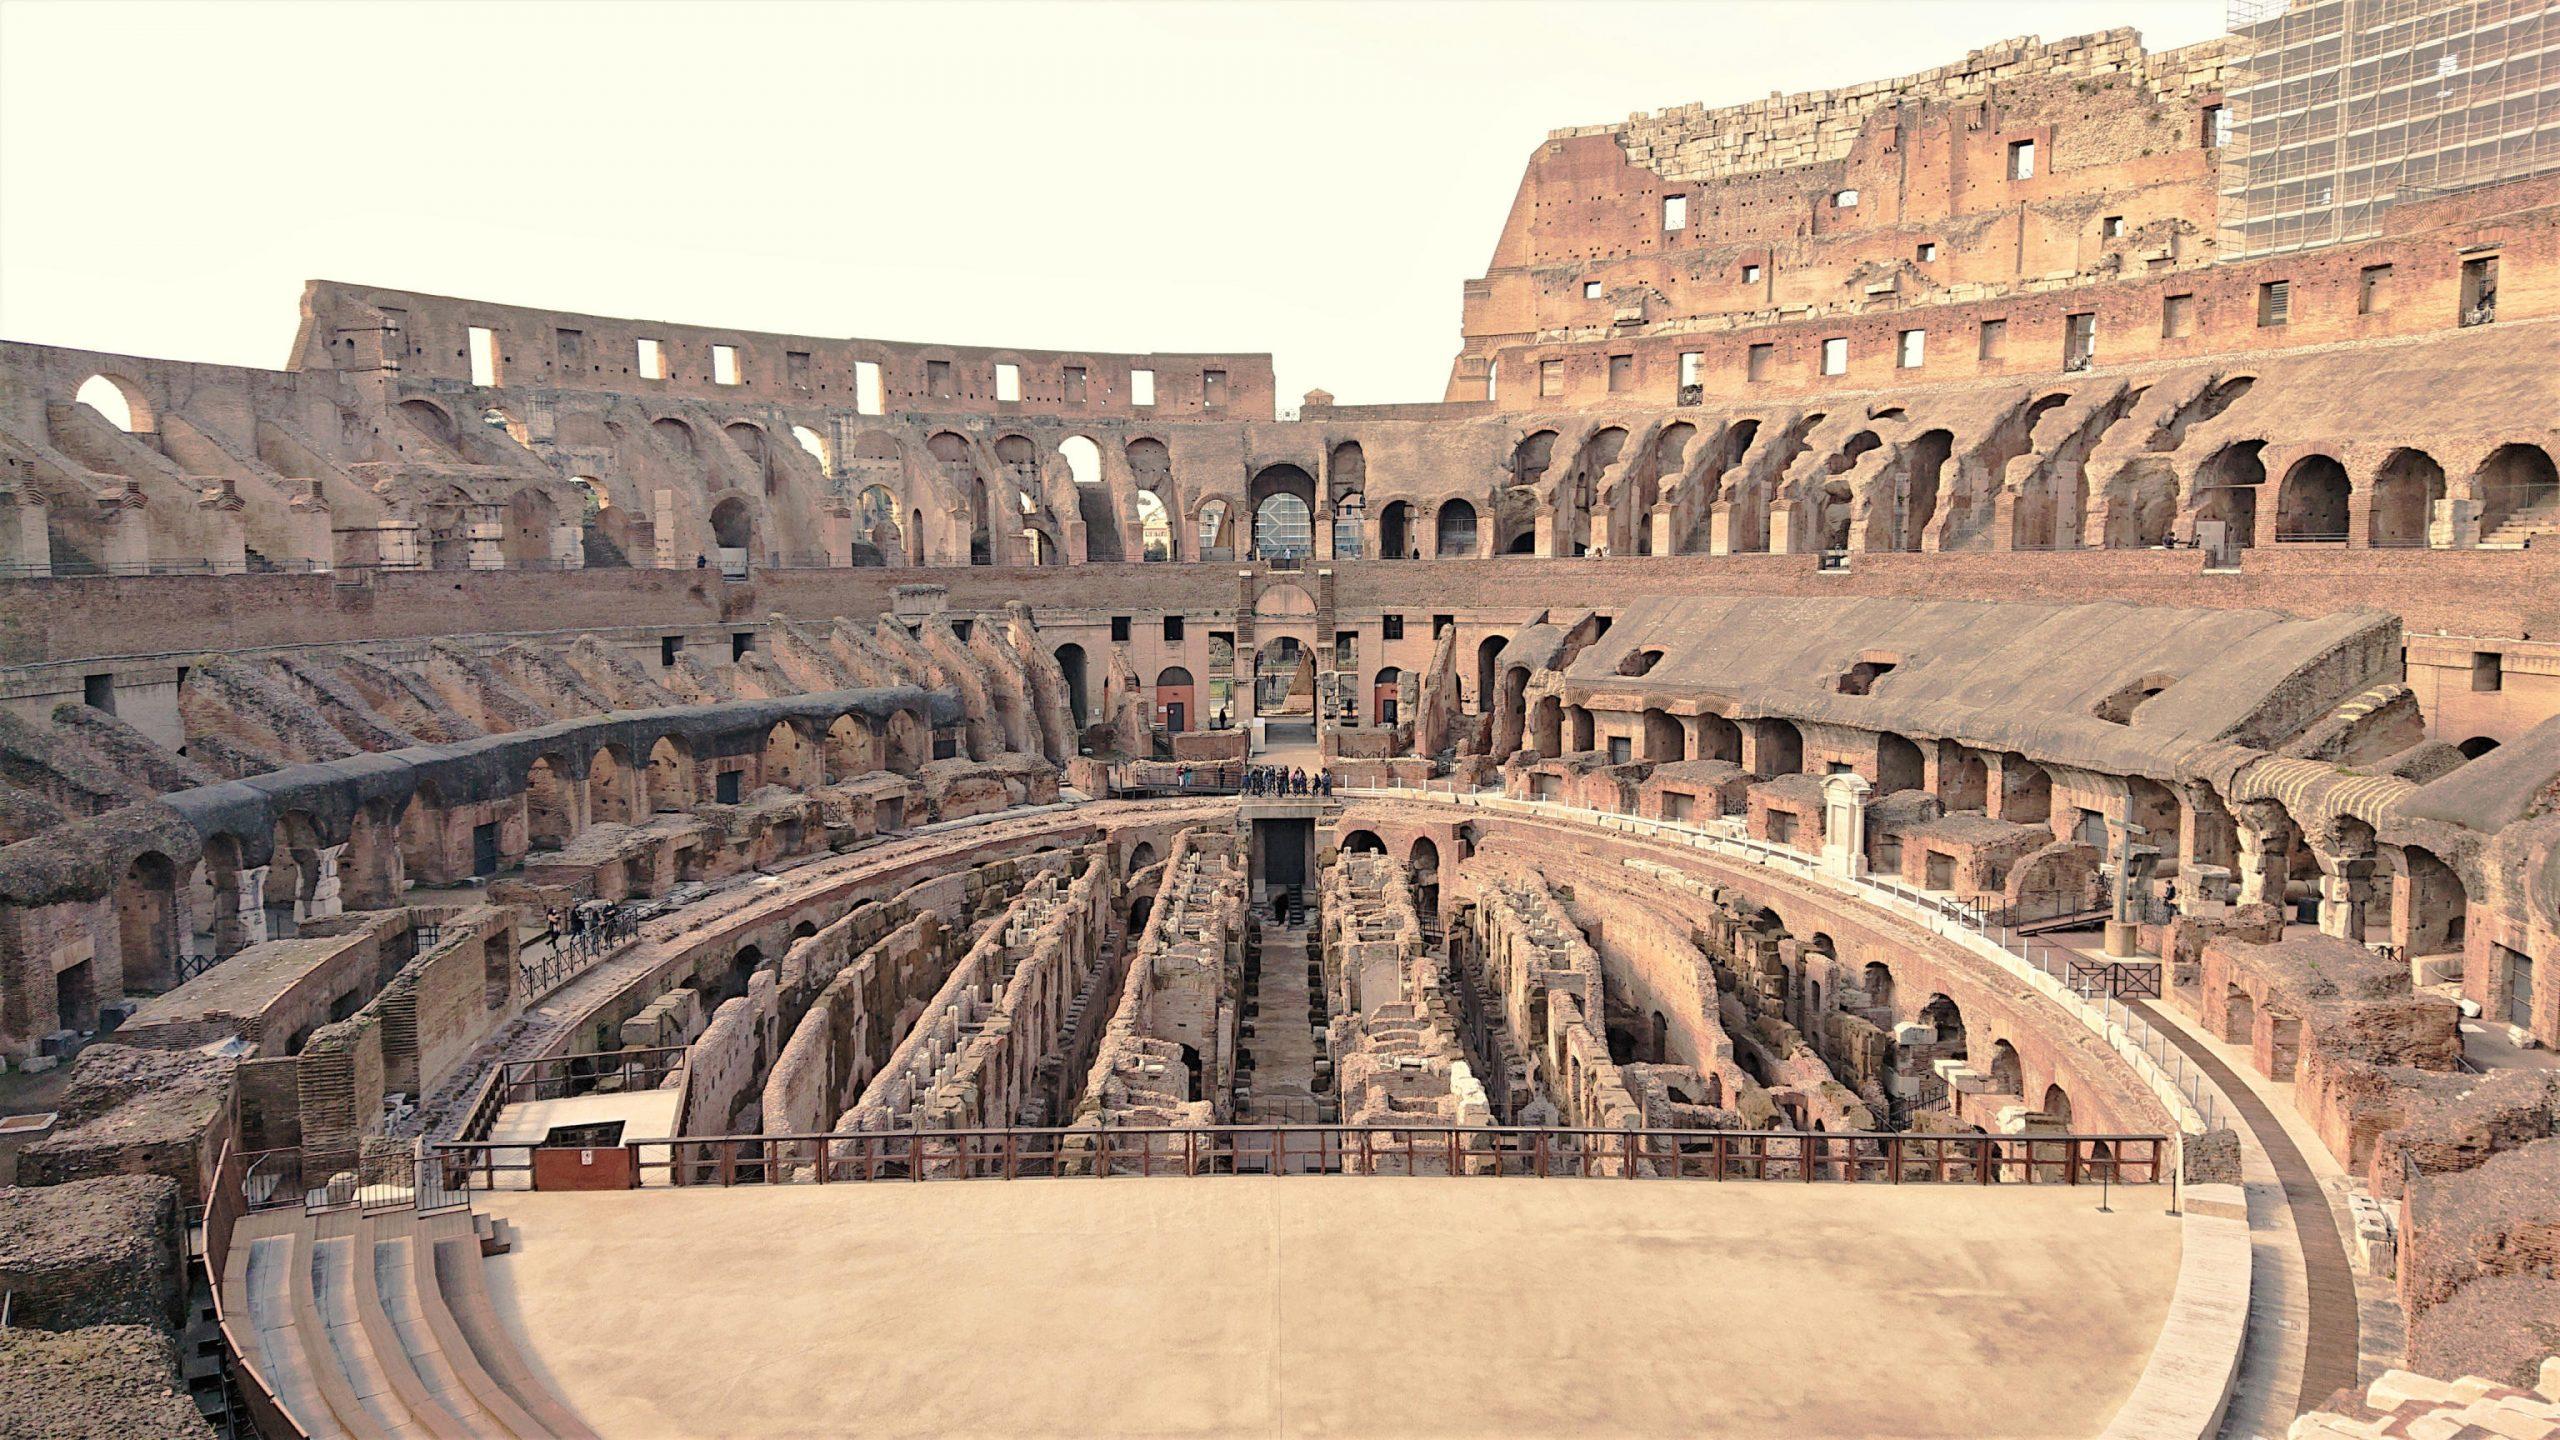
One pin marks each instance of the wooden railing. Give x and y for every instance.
(1011, 1154)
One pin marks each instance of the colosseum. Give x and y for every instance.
(1963, 680)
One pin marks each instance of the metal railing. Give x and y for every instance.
(2115, 1021)
(225, 1203)
(1384, 1150)
(558, 1077)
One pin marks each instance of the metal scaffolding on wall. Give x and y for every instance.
(2341, 108)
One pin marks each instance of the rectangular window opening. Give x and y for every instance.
(1675, 212)
(653, 360)
(1391, 627)
(484, 355)
(1590, 289)
(2373, 289)
(669, 647)
(1008, 382)
(867, 397)
(1173, 627)
(1835, 355)
(1142, 387)
(1928, 251)
(2177, 316)
(1550, 377)
(1750, 274)
(1915, 348)
(1995, 339)
(2080, 340)
(1844, 199)
(1693, 369)
(2275, 303)
(2112, 227)
(724, 364)
(1120, 628)
(2488, 670)
(2022, 159)
(98, 692)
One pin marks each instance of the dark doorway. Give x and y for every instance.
(484, 849)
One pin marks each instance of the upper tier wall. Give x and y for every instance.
(427, 337)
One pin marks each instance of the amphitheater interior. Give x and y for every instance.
(1976, 714)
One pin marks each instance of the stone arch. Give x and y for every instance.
(850, 748)
(550, 820)
(1719, 739)
(2226, 489)
(676, 434)
(2057, 1105)
(733, 524)
(2405, 493)
(789, 759)
(816, 445)
(147, 923)
(1155, 528)
(1664, 740)
(1945, 1020)
(1071, 665)
(1395, 531)
(1899, 765)
(1217, 530)
(1141, 855)
(1455, 530)
(119, 402)
(429, 419)
(1363, 842)
(1488, 666)
(2008, 1073)
(1386, 693)
(1781, 748)
(2311, 501)
(1175, 710)
(910, 743)
(2514, 478)
(1877, 980)
(609, 786)
(669, 780)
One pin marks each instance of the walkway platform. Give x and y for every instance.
(1339, 1306)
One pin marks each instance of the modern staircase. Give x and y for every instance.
(380, 1327)
(2540, 516)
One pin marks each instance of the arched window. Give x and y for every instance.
(1281, 528)
(816, 444)
(1457, 526)
(119, 402)
(1155, 527)
(1215, 542)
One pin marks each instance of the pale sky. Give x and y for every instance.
(1308, 179)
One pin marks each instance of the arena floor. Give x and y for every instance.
(1333, 1306)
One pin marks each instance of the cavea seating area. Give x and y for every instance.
(1926, 802)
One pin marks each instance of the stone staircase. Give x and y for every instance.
(2540, 517)
(380, 1326)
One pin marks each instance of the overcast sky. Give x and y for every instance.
(1309, 179)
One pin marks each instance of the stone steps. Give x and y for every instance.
(380, 1327)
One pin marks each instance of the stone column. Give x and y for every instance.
(244, 921)
(2267, 838)
(325, 889)
(2346, 885)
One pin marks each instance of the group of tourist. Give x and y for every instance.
(1273, 780)
(590, 926)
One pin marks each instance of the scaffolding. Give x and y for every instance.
(2341, 108)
